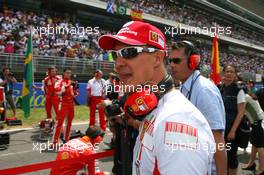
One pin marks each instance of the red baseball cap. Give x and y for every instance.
(135, 33)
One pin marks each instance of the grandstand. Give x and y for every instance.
(66, 32)
(243, 46)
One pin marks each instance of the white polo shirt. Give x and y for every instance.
(175, 138)
(96, 86)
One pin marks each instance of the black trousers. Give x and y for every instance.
(124, 145)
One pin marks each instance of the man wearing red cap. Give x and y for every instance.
(175, 137)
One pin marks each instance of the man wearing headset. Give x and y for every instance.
(171, 137)
(184, 62)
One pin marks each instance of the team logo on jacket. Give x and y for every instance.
(180, 135)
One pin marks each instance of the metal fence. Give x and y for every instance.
(80, 66)
(41, 63)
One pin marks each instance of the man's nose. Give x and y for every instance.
(171, 63)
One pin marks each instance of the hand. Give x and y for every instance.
(231, 135)
(130, 121)
(5, 82)
(68, 85)
(99, 105)
(134, 123)
(13, 79)
(105, 103)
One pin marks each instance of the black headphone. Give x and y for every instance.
(166, 84)
(192, 53)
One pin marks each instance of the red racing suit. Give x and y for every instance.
(52, 99)
(66, 93)
(73, 149)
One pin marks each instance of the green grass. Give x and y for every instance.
(36, 114)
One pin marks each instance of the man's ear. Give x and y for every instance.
(160, 58)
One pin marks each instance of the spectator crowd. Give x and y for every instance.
(188, 15)
(246, 63)
(15, 26)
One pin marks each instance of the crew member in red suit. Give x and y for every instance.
(67, 90)
(86, 145)
(51, 97)
(95, 94)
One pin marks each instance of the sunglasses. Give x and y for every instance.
(131, 52)
(175, 60)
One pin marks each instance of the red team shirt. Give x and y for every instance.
(49, 85)
(65, 90)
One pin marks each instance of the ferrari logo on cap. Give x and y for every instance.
(156, 38)
(153, 37)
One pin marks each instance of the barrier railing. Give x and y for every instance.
(78, 65)
(41, 63)
(56, 163)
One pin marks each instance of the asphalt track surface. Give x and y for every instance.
(25, 149)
